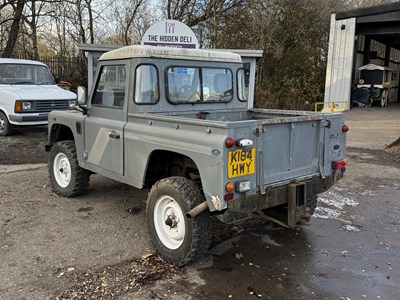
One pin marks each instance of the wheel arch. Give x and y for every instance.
(60, 132)
(5, 114)
(164, 163)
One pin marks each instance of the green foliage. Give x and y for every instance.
(294, 37)
(296, 78)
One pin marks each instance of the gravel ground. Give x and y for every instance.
(114, 281)
(26, 146)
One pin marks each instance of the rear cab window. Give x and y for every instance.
(194, 84)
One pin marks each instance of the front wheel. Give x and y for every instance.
(5, 126)
(67, 178)
(178, 239)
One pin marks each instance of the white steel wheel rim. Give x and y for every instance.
(62, 170)
(167, 210)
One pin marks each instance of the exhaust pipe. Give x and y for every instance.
(197, 210)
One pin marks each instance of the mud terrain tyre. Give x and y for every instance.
(67, 178)
(5, 127)
(177, 238)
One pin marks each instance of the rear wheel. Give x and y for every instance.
(67, 178)
(178, 239)
(5, 126)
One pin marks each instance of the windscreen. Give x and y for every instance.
(25, 74)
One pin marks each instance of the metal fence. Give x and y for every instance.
(63, 67)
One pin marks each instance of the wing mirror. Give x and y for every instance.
(82, 99)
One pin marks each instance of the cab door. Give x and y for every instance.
(104, 126)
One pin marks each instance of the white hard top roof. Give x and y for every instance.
(374, 67)
(171, 53)
(20, 61)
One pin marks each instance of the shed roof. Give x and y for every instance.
(381, 22)
(368, 11)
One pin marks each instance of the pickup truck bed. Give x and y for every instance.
(290, 144)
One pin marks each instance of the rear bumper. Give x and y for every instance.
(276, 196)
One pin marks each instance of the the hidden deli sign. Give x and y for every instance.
(170, 33)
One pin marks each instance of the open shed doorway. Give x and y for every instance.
(362, 41)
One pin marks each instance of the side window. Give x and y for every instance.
(110, 88)
(243, 84)
(146, 85)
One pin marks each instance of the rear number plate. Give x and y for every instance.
(241, 162)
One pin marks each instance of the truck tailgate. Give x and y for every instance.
(289, 150)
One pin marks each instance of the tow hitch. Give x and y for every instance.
(293, 213)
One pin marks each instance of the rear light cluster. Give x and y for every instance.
(340, 165)
(230, 142)
(238, 186)
(345, 128)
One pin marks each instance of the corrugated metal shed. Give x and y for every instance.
(358, 37)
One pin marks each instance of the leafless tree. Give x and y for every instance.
(205, 14)
(18, 8)
(127, 15)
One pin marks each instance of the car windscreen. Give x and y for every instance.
(25, 74)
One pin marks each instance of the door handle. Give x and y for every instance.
(113, 134)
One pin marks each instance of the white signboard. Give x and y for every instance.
(170, 33)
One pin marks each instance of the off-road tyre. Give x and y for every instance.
(190, 238)
(67, 178)
(6, 128)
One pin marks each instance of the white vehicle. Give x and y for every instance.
(28, 92)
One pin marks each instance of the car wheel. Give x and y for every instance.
(5, 126)
(177, 238)
(67, 178)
